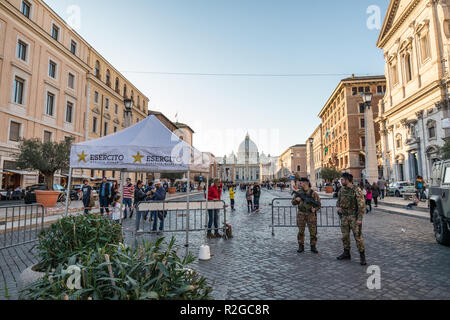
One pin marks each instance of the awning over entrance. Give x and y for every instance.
(24, 173)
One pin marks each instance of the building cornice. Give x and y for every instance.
(405, 103)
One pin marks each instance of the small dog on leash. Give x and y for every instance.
(229, 232)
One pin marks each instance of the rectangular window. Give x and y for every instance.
(367, 89)
(18, 90)
(73, 47)
(363, 142)
(360, 89)
(394, 74)
(26, 6)
(50, 104)
(425, 48)
(298, 168)
(362, 108)
(447, 176)
(96, 97)
(14, 131)
(55, 32)
(47, 136)
(116, 109)
(105, 129)
(106, 103)
(381, 89)
(69, 112)
(22, 50)
(71, 81)
(94, 125)
(52, 69)
(431, 132)
(115, 129)
(362, 123)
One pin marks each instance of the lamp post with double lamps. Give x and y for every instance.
(371, 170)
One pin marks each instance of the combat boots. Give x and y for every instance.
(301, 248)
(363, 258)
(314, 249)
(345, 255)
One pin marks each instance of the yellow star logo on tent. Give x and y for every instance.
(82, 157)
(138, 158)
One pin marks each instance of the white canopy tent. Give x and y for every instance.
(148, 146)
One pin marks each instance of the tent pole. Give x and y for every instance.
(188, 192)
(69, 182)
(122, 184)
(207, 194)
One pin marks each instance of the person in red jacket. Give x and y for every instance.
(214, 194)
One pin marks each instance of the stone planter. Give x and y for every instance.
(29, 276)
(47, 198)
(172, 190)
(329, 189)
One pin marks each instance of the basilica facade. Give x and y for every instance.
(248, 165)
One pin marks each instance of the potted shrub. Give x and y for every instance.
(69, 236)
(329, 175)
(46, 157)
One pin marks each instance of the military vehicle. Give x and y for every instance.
(440, 201)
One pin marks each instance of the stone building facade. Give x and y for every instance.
(314, 151)
(293, 162)
(54, 85)
(343, 123)
(415, 40)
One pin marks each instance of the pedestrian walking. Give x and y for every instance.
(382, 187)
(128, 193)
(158, 193)
(231, 189)
(307, 215)
(351, 206)
(87, 196)
(249, 196)
(256, 196)
(115, 216)
(105, 192)
(139, 196)
(375, 194)
(369, 199)
(420, 184)
(213, 215)
(114, 191)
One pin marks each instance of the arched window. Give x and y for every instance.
(117, 85)
(97, 69)
(108, 78)
(125, 91)
(408, 67)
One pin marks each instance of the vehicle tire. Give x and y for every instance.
(397, 194)
(441, 231)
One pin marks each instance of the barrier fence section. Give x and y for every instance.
(284, 214)
(175, 214)
(20, 224)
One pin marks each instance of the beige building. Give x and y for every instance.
(343, 123)
(415, 40)
(293, 162)
(53, 85)
(314, 151)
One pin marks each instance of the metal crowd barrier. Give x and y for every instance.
(177, 218)
(20, 224)
(284, 214)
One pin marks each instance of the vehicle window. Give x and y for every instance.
(447, 176)
(404, 184)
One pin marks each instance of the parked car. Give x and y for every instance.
(399, 188)
(30, 194)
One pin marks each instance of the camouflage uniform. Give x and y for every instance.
(351, 201)
(307, 217)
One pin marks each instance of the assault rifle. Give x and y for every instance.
(306, 199)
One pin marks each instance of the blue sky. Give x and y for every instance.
(245, 36)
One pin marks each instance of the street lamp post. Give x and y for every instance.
(371, 169)
(128, 112)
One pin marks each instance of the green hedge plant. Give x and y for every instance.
(143, 273)
(74, 234)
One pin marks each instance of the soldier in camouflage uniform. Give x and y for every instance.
(352, 206)
(307, 216)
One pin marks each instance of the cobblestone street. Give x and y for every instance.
(255, 265)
